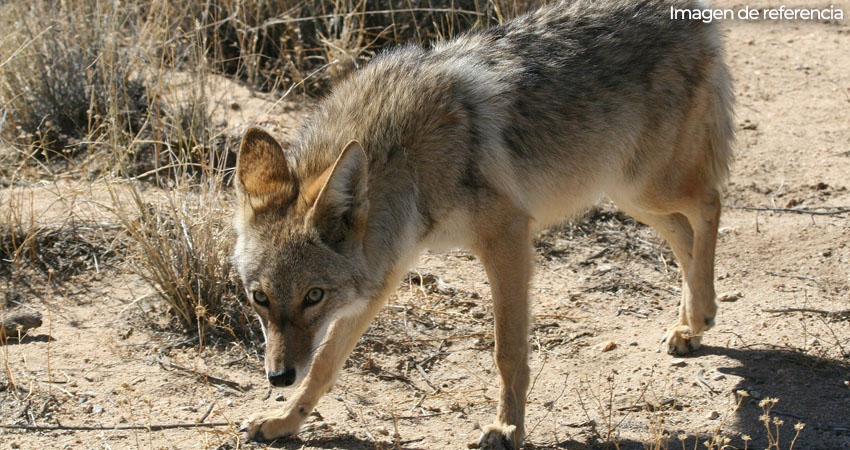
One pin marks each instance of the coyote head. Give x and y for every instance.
(299, 248)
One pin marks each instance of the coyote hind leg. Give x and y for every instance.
(689, 225)
(698, 308)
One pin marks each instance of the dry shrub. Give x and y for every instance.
(66, 75)
(182, 250)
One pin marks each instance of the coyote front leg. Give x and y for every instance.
(506, 255)
(326, 364)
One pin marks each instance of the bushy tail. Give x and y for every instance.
(721, 133)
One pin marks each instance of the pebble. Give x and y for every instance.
(279, 398)
(713, 415)
(97, 409)
(730, 297)
(608, 346)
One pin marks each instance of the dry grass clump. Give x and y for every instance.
(66, 75)
(182, 250)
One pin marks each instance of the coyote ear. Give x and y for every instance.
(261, 166)
(341, 205)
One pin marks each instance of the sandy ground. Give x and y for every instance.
(423, 377)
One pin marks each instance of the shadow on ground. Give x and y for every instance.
(809, 389)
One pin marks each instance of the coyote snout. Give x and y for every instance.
(477, 143)
(284, 355)
(283, 378)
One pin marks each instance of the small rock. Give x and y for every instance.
(730, 296)
(755, 394)
(279, 398)
(97, 409)
(679, 363)
(608, 346)
(382, 431)
(719, 377)
(633, 343)
(713, 415)
(604, 268)
(748, 125)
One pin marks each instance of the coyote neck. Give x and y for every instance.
(392, 241)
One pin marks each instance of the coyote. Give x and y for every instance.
(477, 142)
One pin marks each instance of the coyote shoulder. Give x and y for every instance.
(478, 142)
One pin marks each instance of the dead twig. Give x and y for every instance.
(823, 312)
(703, 383)
(791, 275)
(456, 337)
(207, 413)
(202, 376)
(155, 427)
(838, 210)
(426, 378)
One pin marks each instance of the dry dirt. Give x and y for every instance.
(423, 377)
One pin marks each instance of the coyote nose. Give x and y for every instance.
(282, 378)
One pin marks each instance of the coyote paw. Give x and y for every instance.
(681, 340)
(268, 428)
(499, 437)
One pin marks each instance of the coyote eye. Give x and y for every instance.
(314, 295)
(260, 298)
